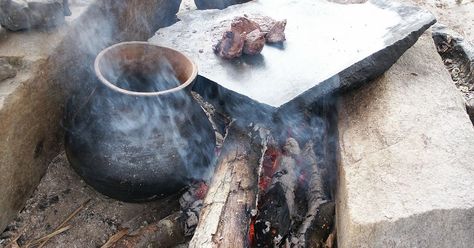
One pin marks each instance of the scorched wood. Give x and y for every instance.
(225, 217)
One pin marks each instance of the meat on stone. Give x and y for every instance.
(243, 25)
(231, 45)
(274, 30)
(254, 42)
(277, 32)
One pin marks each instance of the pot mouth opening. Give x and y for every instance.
(142, 69)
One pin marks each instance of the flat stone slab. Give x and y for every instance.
(406, 172)
(329, 46)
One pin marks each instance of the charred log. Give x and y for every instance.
(167, 232)
(277, 207)
(225, 217)
(315, 195)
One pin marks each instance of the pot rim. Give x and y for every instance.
(137, 93)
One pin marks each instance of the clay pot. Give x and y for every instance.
(140, 135)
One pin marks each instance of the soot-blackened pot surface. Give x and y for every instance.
(138, 148)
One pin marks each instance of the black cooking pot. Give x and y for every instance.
(140, 135)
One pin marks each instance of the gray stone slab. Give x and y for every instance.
(406, 172)
(329, 46)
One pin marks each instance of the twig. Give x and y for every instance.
(63, 224)
(48, 237)
(114, 238)
(14, 243)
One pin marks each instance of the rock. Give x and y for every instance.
(254, 42)
(285, 76)
(458, 56)
(406, 170)
(25, 14)
(231, 45)
(6, 69)
(216, 4)
(470, 108)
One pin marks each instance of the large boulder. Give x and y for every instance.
(25, 14)
(406, 172)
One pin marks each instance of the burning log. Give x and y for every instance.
(293, 209)
(277, 209)
(231, 198)
(315, 195)
(167, 232)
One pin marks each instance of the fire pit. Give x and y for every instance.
(142, 136)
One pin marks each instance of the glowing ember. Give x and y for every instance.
(269, 167)
(201, 191)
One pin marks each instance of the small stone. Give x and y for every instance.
(201, 50)
(25, 14)
(6, 69)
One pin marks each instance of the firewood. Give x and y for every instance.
(315, 196)
(277, 209)
(167, 232)
(226, 213)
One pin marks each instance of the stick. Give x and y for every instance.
(225, 217)
(167, 232)
(63, 224)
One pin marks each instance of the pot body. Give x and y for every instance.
(140, 145)
(136, 148)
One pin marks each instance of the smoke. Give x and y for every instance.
(150, 143)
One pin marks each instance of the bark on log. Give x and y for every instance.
(225, 217)
(168, 232)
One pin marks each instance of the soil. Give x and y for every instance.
(61, 192)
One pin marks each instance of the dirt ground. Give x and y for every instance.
(60, 193)
(456, 14)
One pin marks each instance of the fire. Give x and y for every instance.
(201, 191)
(252, 232)
(269, 167)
